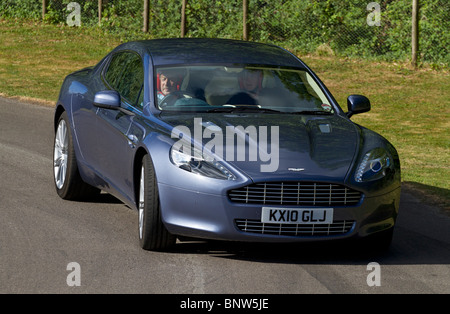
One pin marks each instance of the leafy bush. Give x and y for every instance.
(29, 9)
(207, 18)
(302, 26)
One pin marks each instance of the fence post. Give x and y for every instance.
(415, 32)
(99, 12)
(244, 19)
(44, 8)
(183, 18)
(146, 16)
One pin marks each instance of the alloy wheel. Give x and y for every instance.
(60, 154)
(141, 204)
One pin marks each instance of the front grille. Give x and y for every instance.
(295, 193)
(255, 226)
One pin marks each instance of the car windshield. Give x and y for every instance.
(238, 88)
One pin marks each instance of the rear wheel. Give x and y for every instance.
(68, 182)
(153, 235)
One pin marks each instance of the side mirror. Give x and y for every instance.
(108, 99)
(357, 104)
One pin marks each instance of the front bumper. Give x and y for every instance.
(213, 216)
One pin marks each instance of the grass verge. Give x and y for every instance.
(35, 57)
(409, 107)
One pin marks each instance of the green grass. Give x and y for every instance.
(409, 107)
(35, 57)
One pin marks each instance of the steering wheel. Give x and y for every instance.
(170, 99)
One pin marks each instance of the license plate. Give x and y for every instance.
(297, 215)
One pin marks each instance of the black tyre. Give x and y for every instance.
(153, 235)
(68, 182)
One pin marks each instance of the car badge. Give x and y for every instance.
(296, 169)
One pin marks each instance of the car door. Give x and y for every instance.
(115, 145)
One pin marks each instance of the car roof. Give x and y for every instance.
(177, 51)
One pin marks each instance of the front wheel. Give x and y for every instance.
(153, 235)
(68, 182)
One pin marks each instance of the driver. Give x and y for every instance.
(167, 82)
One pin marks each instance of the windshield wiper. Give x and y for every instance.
(258, 110)
(243, 109)
(312, 112)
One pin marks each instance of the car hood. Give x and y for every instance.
(289, 147)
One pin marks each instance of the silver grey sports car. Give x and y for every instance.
(223, 139)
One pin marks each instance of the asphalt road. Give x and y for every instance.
(40, 234)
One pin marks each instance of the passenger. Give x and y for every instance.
(250, 83)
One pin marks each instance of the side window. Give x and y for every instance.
(126, 75)
(115, 69)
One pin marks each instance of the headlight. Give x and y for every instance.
(374, 165)
(201, 164)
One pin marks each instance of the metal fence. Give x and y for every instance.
(380, 29)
